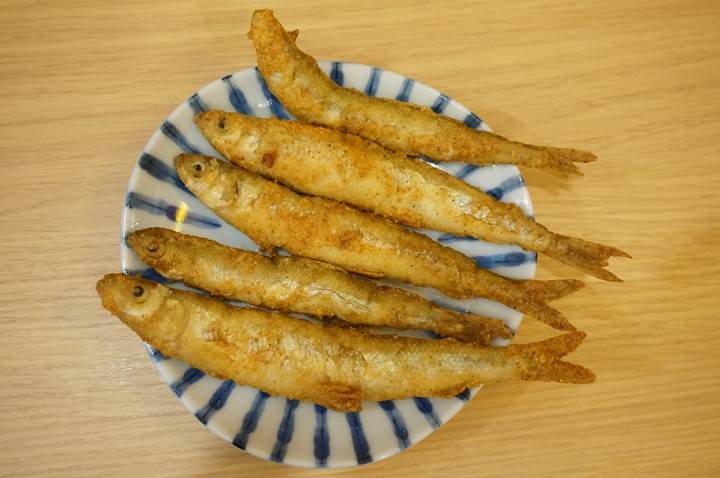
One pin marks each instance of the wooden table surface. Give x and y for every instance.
(84, 84)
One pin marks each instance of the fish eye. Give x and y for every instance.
(152, 247)
(138, 291)
(199, 168)
(221, 123)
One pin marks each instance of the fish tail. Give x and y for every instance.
(497, 328)
(480, 330)
(561, 161)
(546, 314)
(558, 346)
(549, 290)
(589, 257)
(542, 360)
(563, 372)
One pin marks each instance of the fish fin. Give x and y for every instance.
(364, 328)
(266, 248)
(479, 330)
(559, 162)
(548, 290)
(451, 391)
(339, 396)
(566, 372)
(373, 274)
(589, 257)
(542, 360)
(558, 346)
(560, 371)
(546, 314)
(336, 321)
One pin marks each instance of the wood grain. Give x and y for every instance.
(84, 84)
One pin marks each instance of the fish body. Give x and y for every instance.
(350, 169)
(326, 230)
(333, 366)
(295, 78)
(298, 284)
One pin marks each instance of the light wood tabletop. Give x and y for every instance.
(84, 84)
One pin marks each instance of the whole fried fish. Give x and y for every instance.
(333, 366)
(350, 169)
(323, 229)
(297, 284)
(295, 78)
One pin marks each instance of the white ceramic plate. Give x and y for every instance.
(275, 428)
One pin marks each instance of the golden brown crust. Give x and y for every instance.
(297, 284)
(335, 367)
(332, 232)
(310, 95)
(350, 169)
(550, 352)
(587, 256)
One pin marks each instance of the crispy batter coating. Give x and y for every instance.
(323, 229)
(350, 169)
(295, 78)
(334, 366)
(297, 284)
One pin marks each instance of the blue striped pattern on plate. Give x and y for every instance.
(277, 428)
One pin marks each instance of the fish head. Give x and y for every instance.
(214, 181)
(132, 299)
(151, 242)
(197, 171)
(232, 134)
(213, 123)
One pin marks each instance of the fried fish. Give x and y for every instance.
(298, 284)
(333, 366)
(297, 81)
(323, 229)
(350, 169)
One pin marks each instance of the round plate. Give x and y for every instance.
(276, 428)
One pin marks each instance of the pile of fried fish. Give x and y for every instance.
(337, 189)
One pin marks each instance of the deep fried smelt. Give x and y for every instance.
(295, 78)
(298, 284)
(323, 229)
(350, 169)
(334, 366)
